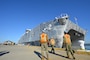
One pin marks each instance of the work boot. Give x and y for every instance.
(68, 57)
(47, 58)
(53, 52)
(73, 57)
(42, 58)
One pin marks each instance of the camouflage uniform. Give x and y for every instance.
(44, 45)
(52, 42)
(67, 42)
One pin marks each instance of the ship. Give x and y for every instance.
(55, 28)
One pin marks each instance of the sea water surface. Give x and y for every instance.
(87, 47)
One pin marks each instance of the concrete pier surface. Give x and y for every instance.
(18, 52)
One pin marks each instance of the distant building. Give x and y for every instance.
(8, 43)
(55, 28)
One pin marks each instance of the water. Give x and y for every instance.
(87, 47)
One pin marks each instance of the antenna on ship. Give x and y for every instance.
(76, 20)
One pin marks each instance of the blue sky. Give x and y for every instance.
(18, 15)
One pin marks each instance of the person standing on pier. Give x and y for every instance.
(52, 43)
(67, 42)
(44, 44)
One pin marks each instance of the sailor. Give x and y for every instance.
(67, 42)
(44, 45)
(52, 43)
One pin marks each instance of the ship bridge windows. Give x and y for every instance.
(62, 21)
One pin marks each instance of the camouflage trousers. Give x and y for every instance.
(69, 49)
(52, 49)
(44, 48)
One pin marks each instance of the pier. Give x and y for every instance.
(19, 52)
